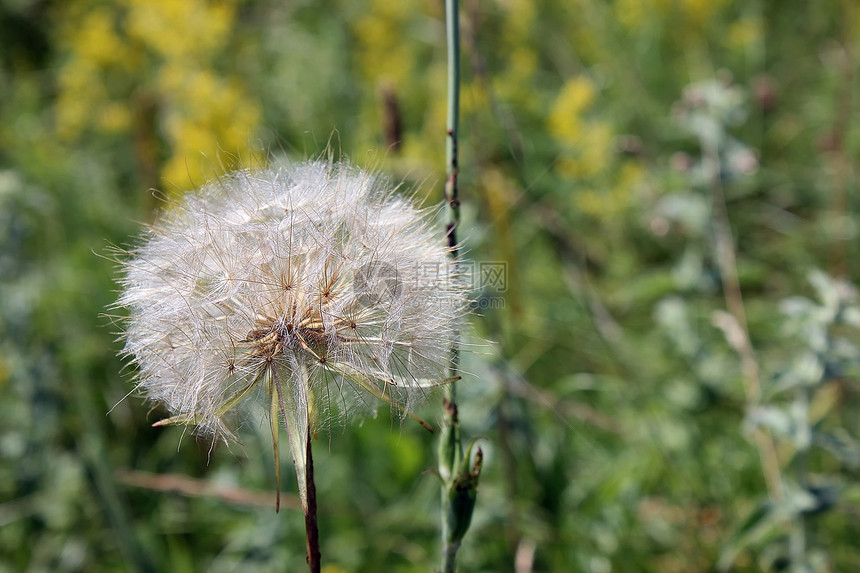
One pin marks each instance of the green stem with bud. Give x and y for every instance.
(459, 480)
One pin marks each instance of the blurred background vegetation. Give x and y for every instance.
(673, 381)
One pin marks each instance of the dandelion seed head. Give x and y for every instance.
(316, 276)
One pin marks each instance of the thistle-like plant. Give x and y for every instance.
(313, 287)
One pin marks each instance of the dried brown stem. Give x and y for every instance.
(727, 262)
(192, 487)
(311, 527)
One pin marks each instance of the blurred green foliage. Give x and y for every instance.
(632, 162)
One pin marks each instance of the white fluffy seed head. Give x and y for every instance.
(316, 276)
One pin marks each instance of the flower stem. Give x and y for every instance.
(460, 481)
(311, 528)
(453, 123)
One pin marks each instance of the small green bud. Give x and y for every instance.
(462, 495)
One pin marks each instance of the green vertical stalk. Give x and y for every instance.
(452, 20)
(451, 449)
(92, 447)
(459, 480)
